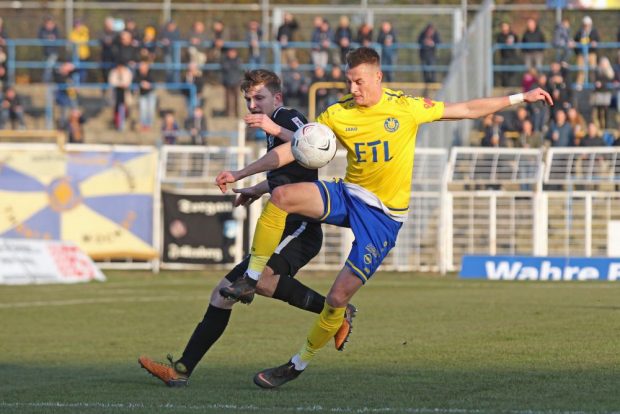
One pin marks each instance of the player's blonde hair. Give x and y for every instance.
(362, 55)
(257, 77)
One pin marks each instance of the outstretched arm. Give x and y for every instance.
(477, 108)
(276, 158)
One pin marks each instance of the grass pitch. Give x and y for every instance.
(421, 344)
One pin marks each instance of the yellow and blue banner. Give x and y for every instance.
(100, 200)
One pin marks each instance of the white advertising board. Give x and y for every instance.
(24, 261)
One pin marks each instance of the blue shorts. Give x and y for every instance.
(375, 232)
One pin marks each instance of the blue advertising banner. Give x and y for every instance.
(540, 268)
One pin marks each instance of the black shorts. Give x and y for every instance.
(300, 242)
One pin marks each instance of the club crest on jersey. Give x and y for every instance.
(391, 124)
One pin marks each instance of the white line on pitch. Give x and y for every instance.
(91, 301)
(312, 408)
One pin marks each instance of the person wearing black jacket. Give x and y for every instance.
(507, 56)
(533, 56)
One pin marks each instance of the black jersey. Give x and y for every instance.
(290, 119)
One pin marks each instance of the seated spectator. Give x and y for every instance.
(120, 79)
(529, 79)
(559, 87)
(336, 75)
(577, 123)
(533, 34)
(593, 137)
(515, 122)
(12, 110)
(601, 97)
(196, 125)
(74, 126)
(560, 133)
(169, 129)
(493, 131)
(528, 137)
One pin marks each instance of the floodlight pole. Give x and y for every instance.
(464, 14)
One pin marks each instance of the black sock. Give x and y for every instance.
(205, 335)
(292, 291)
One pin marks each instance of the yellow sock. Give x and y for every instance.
(322, 331)
(267, 236)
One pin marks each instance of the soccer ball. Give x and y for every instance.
(314, 145)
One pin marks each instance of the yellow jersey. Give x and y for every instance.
(380, 143)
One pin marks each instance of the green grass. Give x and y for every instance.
(421, 344)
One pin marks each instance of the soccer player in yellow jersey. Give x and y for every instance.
(378, 128)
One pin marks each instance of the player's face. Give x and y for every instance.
(261, 100)
(364, 83)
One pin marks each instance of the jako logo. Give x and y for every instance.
(505, 270)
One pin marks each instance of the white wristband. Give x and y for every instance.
(517, 98)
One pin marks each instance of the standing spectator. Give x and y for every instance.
(254, 36)
(132, 27)
(74, 126)
(12, 109)
(428, 40)
(286, 34)
(296, 85)
(562, 41)
(560, 133)
(389, 54)
(169, 129)
(125, 52)
(364, 35)
(231, 79)
(219, 36)
(197, 44)
(49, 32)
(507, 56)
(601, 97)
(107, 42)
(147, 98)
(559, 87)
(343, 36)
(65, 96)
(79, 36)
(322, 94)
(195, 77)
(321, 42)
(148, 44)
(586, 41)
(196, 125)
(336, 75)
(533, 34)
(168, 36)
(120, 79)
(3, 53)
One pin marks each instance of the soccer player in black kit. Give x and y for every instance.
(273, 264)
